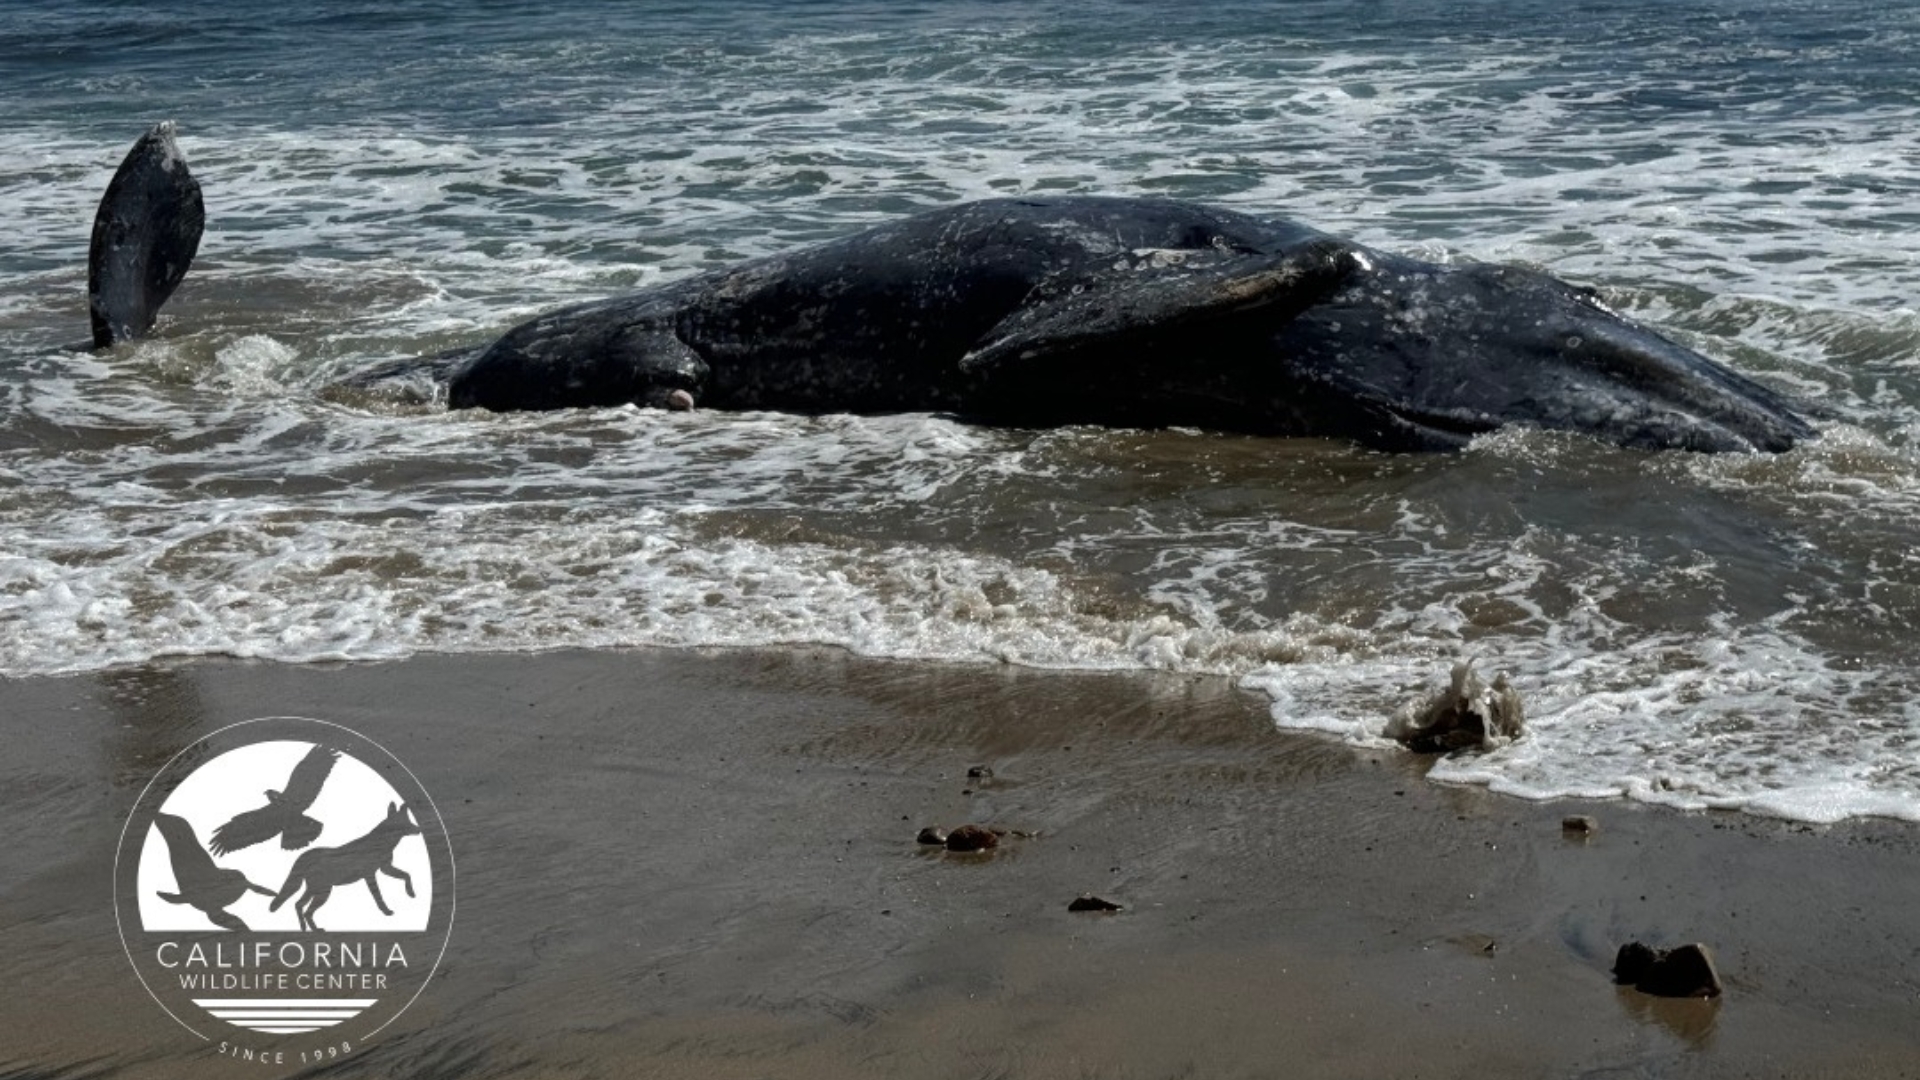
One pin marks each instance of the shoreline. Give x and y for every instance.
(703, 863)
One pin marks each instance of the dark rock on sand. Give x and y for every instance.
(1686, 971)
(932, 834)
(1090, 902)
(972, 838)
(1467, 713)
(1578, 826)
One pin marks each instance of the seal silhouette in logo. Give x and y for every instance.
(201, 883)
(239, 938)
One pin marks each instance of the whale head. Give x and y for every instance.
(1433, 355)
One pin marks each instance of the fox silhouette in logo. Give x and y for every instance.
(285, 813)
(202, 884)
(322, 869)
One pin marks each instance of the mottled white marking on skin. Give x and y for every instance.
(169, 149)
(1159, 258)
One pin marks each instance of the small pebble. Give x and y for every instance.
(1089, 902)
(1579, 825)
(972, 838)
(1686, 971)
(933, 834)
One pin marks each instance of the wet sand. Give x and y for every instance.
(703, 865)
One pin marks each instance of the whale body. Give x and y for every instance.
(1040, 312)
(1132, 312)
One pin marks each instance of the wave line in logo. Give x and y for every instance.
(285, 1016)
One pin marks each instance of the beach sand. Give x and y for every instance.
(704, 865)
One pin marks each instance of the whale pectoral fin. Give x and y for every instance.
(1068, 319)
(145, 235)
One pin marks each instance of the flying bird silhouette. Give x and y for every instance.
(284, 815)
(202, 884)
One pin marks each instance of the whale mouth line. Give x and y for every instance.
(1454, 431)
(1419, 428)
(1447, 427)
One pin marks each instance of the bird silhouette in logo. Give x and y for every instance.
(285, 813)
(202, 884)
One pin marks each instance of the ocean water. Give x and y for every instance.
(1734, 632)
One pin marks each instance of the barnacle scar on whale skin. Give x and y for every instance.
(1072, 310)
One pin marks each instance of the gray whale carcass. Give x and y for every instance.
(1081, 310)
(1133, 312)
